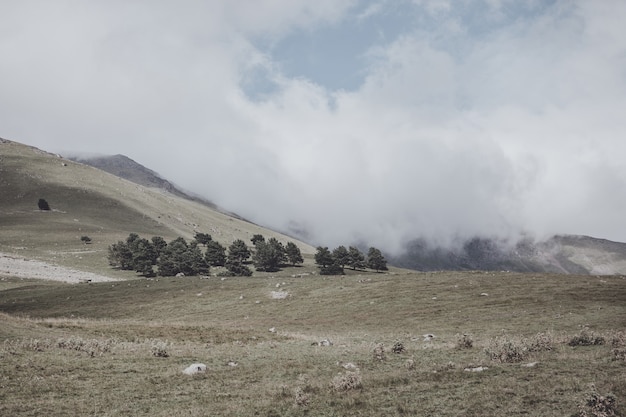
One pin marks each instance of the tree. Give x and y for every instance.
(43, 205)
(325, 260)
(159, 244)
(144, 256)
(257, 238)
(238, 269)
(323, 257)
(376, 260)
(294, 256)
(120, 256)
(238, 251)
(179, 256)
(269, 255)
(203, 238)
(215, 254)
(356, 260)
(341, 256)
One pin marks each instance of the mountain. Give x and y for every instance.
(87, 201)
(567, 254)
(124, 167)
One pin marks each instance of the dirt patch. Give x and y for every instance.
(13, 266)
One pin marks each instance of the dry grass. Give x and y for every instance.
(280, 372)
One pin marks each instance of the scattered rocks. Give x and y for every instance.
(324, 342)
(279, 295)
(476, 369)
(195, 368)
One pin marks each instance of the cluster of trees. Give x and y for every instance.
(179, 256)
(333, 263)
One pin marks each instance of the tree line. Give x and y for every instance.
(179, 256)
(333, 263)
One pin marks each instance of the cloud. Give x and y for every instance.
(481, 118)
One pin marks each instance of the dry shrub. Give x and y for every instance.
(465, 342)
(619, 354)
(159, 349)
(379, 352)
(596, 405)
(409, 364)
(90, 346)
(302, 398)
(618, 340)
(37, 345)
(398, 347)
(586, 338)
(541, 342)
(346, 382)
(506, 349)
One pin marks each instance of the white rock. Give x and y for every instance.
(484, 294)
(428, 337)
(530, 364)
(477, 369)
(272, 329)
(195, 368)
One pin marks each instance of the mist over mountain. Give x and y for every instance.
(567, 254)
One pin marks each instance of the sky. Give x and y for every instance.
(358, 121)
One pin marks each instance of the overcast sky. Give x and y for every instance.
(359, 120)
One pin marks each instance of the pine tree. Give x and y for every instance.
(215, 254)
(376, 260)
(356, 259)
(294, 256)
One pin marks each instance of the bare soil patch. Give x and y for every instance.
(13, 266)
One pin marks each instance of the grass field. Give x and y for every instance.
(99, 349)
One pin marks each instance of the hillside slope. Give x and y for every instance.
(569, 254)
(88, 201)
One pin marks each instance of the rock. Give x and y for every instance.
(180, 275)
(428, 337)
(476, 369)
(195, 368)
(272, 329)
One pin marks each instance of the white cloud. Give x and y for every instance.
(454, 132)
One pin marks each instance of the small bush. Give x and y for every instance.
(505, 349)
(379, 352)
(85, 239)
(586, 338)
(346, 382)
(618, 339)
(596, 405)
(465, 342)
(43, 205)
(302, 399)
(619, 354)
(541, 342)
(398, 347)
(159, 349)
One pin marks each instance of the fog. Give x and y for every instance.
(358, 121)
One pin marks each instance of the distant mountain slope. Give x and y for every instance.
(124, 167)
(88, 201)
(560, 254)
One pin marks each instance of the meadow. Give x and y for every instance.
(119, 348)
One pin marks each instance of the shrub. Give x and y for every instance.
(346, 382)
(398, 347)
(541, 342)
(619, 339)
(596, 405)
(586, 338)
(159, 349)
(379, 352)
(43, 205)
(85, 239)
(302, 399)
(465, 342)
(505, 349)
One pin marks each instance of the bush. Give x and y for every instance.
(398, 347)
(379, 352)
(85, 239)
(159, 349)
(43, 205)
(465, 342)
(596, 405)
(586, 338)
(541, 342)
(505, 349)
(346, 382)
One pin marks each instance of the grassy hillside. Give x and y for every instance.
(120, 348)
(88, 201)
